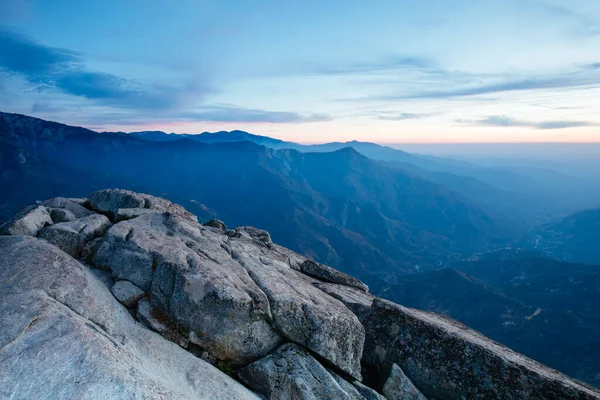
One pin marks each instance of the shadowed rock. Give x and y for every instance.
(399, 387)
(215, 223)
(445, 359)
(72, 236)
(292, 373)
(328, 274)
(61, 215)
(70, 205)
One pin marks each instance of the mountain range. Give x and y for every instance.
(423, 231)
(339, 207)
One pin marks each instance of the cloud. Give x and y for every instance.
(385, 65)
(504, 121)
(558, 82)
(235, 114)
(50, 68)
(21, 55)
(224, 114)
(401, 116)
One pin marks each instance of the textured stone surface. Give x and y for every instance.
(356, 300)
(29, 221)
(109, 201)
(447, 360)
(129, 213)
(228, 296)
(399, 387)
(367, 392)
(328, 274)
(71, 205)
(303, 313)
(126, 292)
(292, 373)
(64, 336)
(194, 280)
(72, 236)
(61, 215)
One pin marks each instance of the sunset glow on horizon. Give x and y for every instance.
(459, 71)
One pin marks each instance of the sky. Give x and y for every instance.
(398, 71)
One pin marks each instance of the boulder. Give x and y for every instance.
(72, 236)
(29, 221)
(301, 312)
(328, 274)
(193, 280)
(447, 360)
(292, 373)
(61, 215)
(64, 336)
(61, 203)
(399, 387)
(109, 201)
(215, 223)
(127, 293)
(261, 236)
(358, 301)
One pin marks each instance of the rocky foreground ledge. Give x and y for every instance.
(126, 296)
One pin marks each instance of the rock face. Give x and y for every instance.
(292, 373)
(399, 387)
(445, 359)
(72, 236)
(109, 202)
(64, 336)
(181, 293)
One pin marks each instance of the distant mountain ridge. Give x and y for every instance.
(341, 207)
(527, 196)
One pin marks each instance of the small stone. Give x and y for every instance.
(127, 293)
(216, 223)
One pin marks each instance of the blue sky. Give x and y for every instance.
(311, 71)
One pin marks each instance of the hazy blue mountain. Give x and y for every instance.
(541, 307)
(526, 195)
(212, 137)
(341, 207)
(573, 238)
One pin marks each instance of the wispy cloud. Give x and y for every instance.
(504, 121)
(224, 113)
(401, 116)
(51, 68)
(388, 64)
(236, 114)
